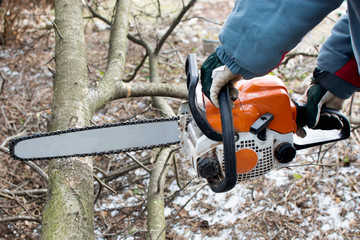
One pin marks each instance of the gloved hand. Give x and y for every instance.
(317, 97)
(215, 75)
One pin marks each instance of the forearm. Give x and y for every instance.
(257, 34)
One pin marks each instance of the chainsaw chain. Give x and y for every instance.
(108, 125)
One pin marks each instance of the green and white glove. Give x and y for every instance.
(317, 97)
(215, 75)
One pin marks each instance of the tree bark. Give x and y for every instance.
(68, 212)
(156, 217)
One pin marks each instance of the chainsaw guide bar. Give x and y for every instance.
(14, 142)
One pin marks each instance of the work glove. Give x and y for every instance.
(215, 75)
(315, 98)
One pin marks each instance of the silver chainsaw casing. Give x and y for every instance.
(197, 146)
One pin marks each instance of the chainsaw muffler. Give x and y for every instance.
(230, 145)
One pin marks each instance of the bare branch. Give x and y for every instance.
(38, 170)
(157, 89)
(173, 26)
(57, 30)
(29, 192)
(177, 213)
(123, 169)
(8, 139)
(137, 68)
(117, 45)
(138, 162)
(2, 83)
(20, 218)
(294, 54)
(95, 14)
(4, 150)
(104, 184)
(164, 167)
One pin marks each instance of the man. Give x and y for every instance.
(258, 33)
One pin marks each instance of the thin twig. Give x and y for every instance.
(138, 162)
(95, 14)
(37, 169)
(177, 213)
(292, 55)
(353, 184)
(172, 26)
(57, 30)
(177, 177)
(311, 164)
(104, 184)
(2, 83)
(8, 139)
(28, 192)
(4, 150)
(20, 218)
(138, 67)
(172, 197)
(164, 167)
(98, 193)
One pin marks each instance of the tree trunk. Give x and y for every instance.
(156, 217)
(69, 210)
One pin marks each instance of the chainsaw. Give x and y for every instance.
(226, 145)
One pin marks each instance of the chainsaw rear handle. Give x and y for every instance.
(228, 134)
(319, 137)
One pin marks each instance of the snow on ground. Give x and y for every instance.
(314, 202)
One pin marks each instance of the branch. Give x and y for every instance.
(172, 26)
(8, 139)
(37, 169)
(177, 213)
(142, 43)
(20, 218)
(138, 162)
(294, 54)
(124, 169)
(164, 167)
(95, 14)
(29, 192)
(102, 184)
(139, 89)
(155, 196)
(157, 89)
(112, 83)
(137, 68)
(118, 36)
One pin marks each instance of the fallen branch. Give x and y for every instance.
(30, 192)
(20, 218)
(138, 162)
(38, 170)
(177, 213)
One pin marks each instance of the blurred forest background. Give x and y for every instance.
(316, 198)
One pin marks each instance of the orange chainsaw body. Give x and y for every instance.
(258, 96)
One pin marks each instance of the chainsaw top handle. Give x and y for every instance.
(228, 134)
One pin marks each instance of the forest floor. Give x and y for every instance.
(316, 197)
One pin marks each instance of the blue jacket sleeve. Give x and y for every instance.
(338, 61)
(258, 33)
(337, 68)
